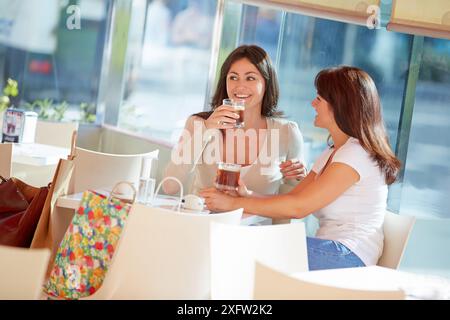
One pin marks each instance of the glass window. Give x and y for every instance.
(261, 26)
(169, 81)
(426, 184)
(301, 46)
(55, 54)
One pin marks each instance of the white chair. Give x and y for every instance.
(162, 254)
(55, 133)
(96, 170)
(397, 229)
(22, 272)
(6, 150)
(271, 284)
(234, 250)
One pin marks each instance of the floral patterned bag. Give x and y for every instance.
(88, 246)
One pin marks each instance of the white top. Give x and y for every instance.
(355, 218)
(262, 176)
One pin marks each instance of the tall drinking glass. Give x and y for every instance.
(239, 107)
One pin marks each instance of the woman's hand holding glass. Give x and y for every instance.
(217, 200)
(293, 169)
(241, 190)
(223, 117)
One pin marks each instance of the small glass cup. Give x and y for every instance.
(239, 107)
(227, 102)
(150, 191)
(227, 176)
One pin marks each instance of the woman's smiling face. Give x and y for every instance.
(324, 117)
(245, 82)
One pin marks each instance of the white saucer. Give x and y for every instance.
(194, 211)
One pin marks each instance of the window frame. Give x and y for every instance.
(112, 80)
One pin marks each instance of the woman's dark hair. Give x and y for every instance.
(355, 102)
(261, 60)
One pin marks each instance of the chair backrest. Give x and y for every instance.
(55, 133)
(95, 170)
(6, 150)
(22, 272)
(397, 229)
(234, 250)
(163, 254)
(271, 284)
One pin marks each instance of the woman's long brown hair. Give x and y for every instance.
(355, 102)
(261, 60)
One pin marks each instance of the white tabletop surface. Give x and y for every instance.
(73, 202)
(37, 154)
(415, 286)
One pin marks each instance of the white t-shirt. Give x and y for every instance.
(355, 218)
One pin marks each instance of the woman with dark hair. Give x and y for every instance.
(210, 137)
(347, 187)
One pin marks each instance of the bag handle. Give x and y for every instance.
(111, 195)
(181, 190)
(3, 179)
(73, 145)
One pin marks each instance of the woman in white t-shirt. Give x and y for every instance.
(347, 187)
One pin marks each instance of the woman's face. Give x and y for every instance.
(324, 117)
(245, 82)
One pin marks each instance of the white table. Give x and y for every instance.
(415, 286)
(36, 163)
(73, 202)
(37, 154)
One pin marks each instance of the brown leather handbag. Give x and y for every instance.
(20, 209)
(11, 199)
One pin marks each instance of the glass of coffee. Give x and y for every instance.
(239, 107)
(227, 176)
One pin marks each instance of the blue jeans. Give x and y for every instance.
(329, 254)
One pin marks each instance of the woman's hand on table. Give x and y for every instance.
(216, 200)
(293, 169)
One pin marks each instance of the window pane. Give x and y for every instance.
(261, 26)
(54, 53)
(312, 44)
(427, 176)
(308, 45)
(168, 81)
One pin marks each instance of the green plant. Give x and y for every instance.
(60, 110)
(11, 90)
(88, 112)
(47, 110)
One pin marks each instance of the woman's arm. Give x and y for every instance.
(306, 198)
(295, 150)
(309, 196)
(183, 154)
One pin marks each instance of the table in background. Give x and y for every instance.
(36, 154)
(35, 163)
